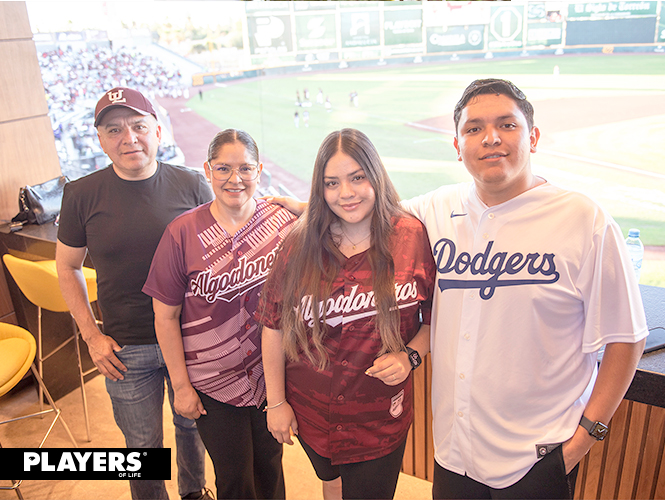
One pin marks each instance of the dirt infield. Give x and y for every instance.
(654, 253)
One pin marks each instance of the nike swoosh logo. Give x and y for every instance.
(453, 214)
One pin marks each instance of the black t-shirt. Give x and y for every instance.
(121, 223)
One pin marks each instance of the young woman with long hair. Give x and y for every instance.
(346, 318)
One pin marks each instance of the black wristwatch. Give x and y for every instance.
(597, 430)
(414, 357)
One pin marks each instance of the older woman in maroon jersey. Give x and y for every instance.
(205, 280)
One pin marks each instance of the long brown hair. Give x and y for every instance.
(313, 259)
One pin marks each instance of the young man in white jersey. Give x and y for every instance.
(532, 281)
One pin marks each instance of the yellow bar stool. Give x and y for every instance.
(17, 355)
(38, 280)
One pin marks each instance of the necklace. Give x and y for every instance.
(354, 245)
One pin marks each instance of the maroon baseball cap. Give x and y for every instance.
(122, 96)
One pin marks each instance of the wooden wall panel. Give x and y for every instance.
(614, 456)
(21, 86)
(419, 456)
(629, 463)
(420, 430)
(430, 436)
(27, 145)
(659, 480)
(652, 454)
(581, 477)
(633, 451)
(593, 472)
(409, 456)
(14, 22)
(27, 156)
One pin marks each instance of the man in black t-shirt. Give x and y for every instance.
(118, 214)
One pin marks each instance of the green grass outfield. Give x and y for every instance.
(584, 145)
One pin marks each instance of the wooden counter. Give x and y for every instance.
(35, 242)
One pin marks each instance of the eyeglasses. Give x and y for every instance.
(223, 172)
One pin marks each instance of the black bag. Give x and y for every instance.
(40, 203)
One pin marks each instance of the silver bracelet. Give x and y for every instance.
(272, 407)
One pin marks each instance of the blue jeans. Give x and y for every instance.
(137, 407)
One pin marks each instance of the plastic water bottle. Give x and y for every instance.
(635, 250)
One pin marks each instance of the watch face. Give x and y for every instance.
(414, 359)
(599, 431)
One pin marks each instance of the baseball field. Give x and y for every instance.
(601, 117)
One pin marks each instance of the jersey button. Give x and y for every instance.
(490, 216)
(339, 427)
(340, 397)
(345, 362)
(460, 414)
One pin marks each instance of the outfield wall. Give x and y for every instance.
(282, 37)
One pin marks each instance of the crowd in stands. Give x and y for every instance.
(74, 79)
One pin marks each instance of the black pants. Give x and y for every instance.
(546, 479)
(374, 479)
(246, 457)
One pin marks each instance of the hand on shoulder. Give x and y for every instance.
(293, 205)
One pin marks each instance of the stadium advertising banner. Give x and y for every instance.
(660, 37)
(269, 34)
(402, 26)
(505, 27)
(611, 10)
(316, 32)
(544, 34)
(455, 13)
(545, 26)
(611, 22)
(360, 28)
(303, 6)
(455, 38)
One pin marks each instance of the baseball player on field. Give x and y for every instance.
(533, 280)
